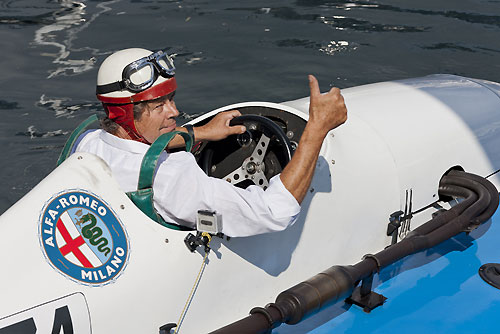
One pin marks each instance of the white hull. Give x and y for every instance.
(399, 136)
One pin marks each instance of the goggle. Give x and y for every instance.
(139, 75)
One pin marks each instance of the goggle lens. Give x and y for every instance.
(141, 75)
(166, 63)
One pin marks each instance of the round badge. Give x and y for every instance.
(82, 238)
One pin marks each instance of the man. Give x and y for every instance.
(137, 89)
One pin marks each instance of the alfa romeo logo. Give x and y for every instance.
(82, 238)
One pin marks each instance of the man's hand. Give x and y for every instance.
(218, 128)
(327, 111)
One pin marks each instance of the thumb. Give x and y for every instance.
(313, 86)
(239, 129)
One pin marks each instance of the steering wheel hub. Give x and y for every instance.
(251, 167)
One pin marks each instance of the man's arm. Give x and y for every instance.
(217, 129)
(326, 112)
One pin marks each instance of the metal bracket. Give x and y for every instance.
(166, 329)
(393, 226)
(364, 297)
(399, 221)
(490, 273)
(192, 242)
(406, 219)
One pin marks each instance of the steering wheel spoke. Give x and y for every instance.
(236, 176)
(260, 179)
(260, 150)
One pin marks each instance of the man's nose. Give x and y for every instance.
(172, 109)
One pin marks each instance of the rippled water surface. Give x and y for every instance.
(226, 52)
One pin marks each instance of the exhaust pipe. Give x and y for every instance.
(480, 201)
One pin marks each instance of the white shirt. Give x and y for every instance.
(181, 188)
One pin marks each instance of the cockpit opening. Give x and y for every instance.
(257, 155)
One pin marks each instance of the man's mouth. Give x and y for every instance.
(169, 127)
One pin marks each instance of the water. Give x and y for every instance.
(227, 52)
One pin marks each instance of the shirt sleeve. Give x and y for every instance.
(181, 188)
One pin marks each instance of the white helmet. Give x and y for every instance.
(135, 75)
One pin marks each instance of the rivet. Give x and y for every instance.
(80, 157)
(333, 162)
(122, 206)
(166, 241)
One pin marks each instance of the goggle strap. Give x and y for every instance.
(111, 87)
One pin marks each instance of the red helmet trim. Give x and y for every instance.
(152, 93)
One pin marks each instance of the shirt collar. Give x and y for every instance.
(123, 144)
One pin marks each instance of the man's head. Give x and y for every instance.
(136, 87)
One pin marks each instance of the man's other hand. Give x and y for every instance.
(326, 111)
(218, 128)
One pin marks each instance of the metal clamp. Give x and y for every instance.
(374, 258)
(266, 314)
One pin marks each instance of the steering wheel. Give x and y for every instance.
(252, 157)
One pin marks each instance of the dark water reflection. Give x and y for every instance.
(226, 52)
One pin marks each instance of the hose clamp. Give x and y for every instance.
(374, 258)
(266, 314)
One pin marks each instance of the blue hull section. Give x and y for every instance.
(436, 291)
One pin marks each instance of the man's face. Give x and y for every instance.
(158, 118)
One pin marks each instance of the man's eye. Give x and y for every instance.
(159, 106)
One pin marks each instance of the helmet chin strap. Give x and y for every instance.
(135, 135)
(123, 115)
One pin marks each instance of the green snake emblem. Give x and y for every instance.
(92, 233)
